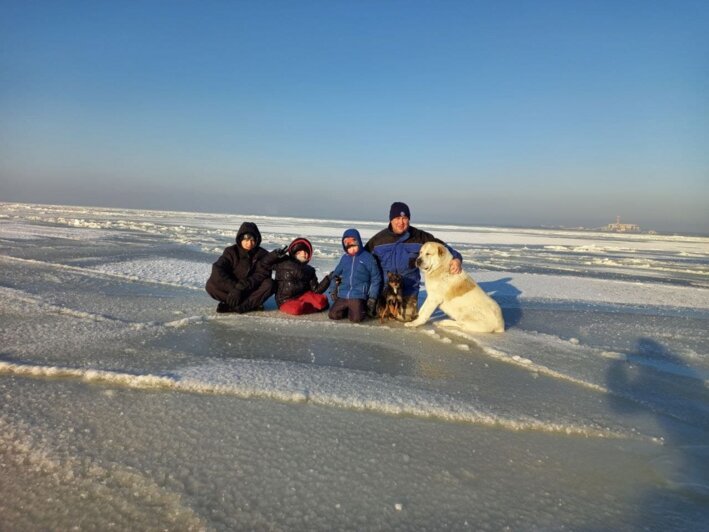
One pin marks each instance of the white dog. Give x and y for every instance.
(457, 295)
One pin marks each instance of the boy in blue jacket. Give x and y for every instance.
(361, 281)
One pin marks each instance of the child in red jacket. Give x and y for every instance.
(297, 289)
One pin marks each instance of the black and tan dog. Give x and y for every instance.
(391, 302)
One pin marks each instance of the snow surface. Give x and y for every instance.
(129, 403)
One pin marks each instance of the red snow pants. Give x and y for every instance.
(307, 303)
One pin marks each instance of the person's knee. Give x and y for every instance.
(357, 313)
(213, 292)
(335, 314)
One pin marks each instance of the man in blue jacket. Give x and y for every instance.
(396, 249)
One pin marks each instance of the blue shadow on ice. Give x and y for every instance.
(507, 296)
(653, 380)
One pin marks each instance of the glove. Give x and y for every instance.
(233, 298)
(324, 285)
(335, 290)
(372, 307)
(276, 256)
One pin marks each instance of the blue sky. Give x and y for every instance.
(501, 113)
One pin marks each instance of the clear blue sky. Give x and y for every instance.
(513, 113)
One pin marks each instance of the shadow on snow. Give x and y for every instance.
(651, 378)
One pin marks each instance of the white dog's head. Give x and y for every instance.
(433, 256)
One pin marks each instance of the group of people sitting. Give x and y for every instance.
(242, 278)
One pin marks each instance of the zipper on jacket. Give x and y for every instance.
(365, 285)
(349, 292)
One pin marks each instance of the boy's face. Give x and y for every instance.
(248, 242)
(302, 255)
(351, 245)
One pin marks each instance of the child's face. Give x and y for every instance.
(302, 255)
(248, 243)
(351, 245)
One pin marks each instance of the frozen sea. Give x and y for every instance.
(128, 403)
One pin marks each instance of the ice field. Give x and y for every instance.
(128, 403)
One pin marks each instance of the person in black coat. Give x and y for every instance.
(241, 280)
(297, 288)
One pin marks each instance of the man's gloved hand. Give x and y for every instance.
(233, 298)
(281, 252)
(372, 307)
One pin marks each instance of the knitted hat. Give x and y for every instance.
(300, 244)
(399, 208)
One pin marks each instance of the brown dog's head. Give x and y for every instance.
(394, 280)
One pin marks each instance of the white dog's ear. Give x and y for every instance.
(440, 250)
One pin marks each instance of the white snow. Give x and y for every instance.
(129, 403)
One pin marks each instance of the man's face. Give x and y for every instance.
(400, 224)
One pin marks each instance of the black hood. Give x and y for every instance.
(249, 227)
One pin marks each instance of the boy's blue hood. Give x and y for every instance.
(352, 233)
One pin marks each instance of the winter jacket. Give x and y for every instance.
(240, 269)
(398, 253)
(361, 278)
(293, 278)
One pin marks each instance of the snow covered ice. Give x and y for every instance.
(127, 402)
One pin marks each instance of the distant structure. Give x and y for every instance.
(618, 227)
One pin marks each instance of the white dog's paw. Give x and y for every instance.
(412, 324)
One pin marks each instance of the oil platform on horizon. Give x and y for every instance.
(618, 227)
